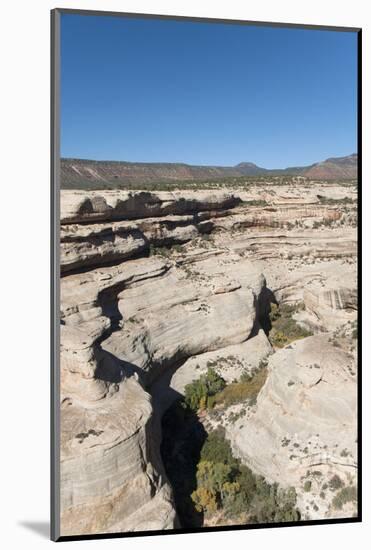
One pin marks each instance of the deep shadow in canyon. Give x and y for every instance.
(183, 436)
(264, 302)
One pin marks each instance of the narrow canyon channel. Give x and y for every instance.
(208, 356)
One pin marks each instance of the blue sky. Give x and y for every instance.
(204, 93)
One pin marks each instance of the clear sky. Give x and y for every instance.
(204, 93)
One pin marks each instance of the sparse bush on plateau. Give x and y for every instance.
(345, 495)
(335, 483)
(247, 388)
(284, 327)
(197, 393)
(307, 486)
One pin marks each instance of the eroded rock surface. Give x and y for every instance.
(110, 465)
(157, 286)
(304, 425)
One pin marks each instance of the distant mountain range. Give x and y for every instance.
(80, 173)
(332, 168)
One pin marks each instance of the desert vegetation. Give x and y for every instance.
(226, 486)
(219, 487)
(211, 486)
(344, 496)
(211, 390)
(284, 327)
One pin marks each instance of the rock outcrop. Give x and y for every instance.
(112, 477)
(157, 286)
(304, 426)
(81, 206)
(122, 326)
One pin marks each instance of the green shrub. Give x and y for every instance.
(164, 251)
(284, 327)
(224, 483)
(307, 486)
(213, 475)
(345, 495)
(198, 393)
(159, 251)
(217, 449)
(335, 483)
(272, 504)
(204, 500)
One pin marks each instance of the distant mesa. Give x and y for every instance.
(331, 168)
(82, 173)
(334, 168)
(250, 169)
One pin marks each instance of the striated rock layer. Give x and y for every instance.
(156, 286)
(112, 477)
(123, 326)
(304, 422)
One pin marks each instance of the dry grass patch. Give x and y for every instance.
(284, 327)
(247, 388)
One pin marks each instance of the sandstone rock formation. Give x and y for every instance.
(110, 469)
(112, 479)
(293, 436)
(134, 318)
(82, 206)
(154, 287)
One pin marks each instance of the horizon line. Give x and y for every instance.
(181, 163)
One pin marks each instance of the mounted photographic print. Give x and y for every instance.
(205, 178)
